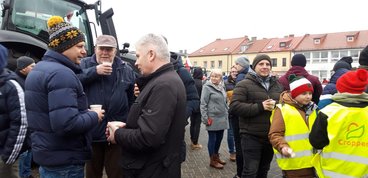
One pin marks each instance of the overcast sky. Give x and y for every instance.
(192, 24)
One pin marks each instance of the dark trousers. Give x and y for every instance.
(239, 155)
(257, 156)
(195, 126)
(104, 155)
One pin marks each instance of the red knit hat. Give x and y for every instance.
(354, 82)
(298, 85)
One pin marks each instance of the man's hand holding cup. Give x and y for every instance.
(111, 128)
(269, 104)
(105, 68)
(98, 109)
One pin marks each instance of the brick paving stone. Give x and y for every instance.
(197, 161)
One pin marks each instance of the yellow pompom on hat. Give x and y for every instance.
(62, 34)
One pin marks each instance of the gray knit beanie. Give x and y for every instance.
(242, 61)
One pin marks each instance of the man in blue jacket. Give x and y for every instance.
(13, 121)
(56, 104)
(108, 81)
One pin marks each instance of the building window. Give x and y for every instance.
(355, 55)
(282, 44)
(195, 63)
(243, 48)
(343, 53)
(212, 64)
(274, 62)
(220, 64)
(324, 56)
(317, 41)
(283, 62)
(350, 38)
(320, 57)
(321, 74)
(205, 64)
(335, 56)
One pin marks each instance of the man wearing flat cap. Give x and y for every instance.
(108, 81)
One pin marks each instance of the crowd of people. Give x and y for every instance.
(137, 123)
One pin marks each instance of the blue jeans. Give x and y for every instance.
(70, 171)
(25, 160)
(230, 137)
(214, 141)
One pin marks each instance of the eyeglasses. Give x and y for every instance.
(234, 71)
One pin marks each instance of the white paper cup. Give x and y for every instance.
(273, 102)
(107, 63)
(95, 107)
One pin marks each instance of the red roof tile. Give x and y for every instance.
(291, 43)
(334, 41)
(220, 47)
(255, 46)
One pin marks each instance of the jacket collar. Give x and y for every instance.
(143, 80)
(51, 55)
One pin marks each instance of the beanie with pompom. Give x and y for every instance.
(62, 34)
(354, 82)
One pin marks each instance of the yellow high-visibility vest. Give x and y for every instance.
(297, 136)
(346, 156)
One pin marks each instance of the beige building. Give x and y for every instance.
(321, 51)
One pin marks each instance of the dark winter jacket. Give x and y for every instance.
(247, 101)
(13, 121)
(152, 139)
(241, 75)
(21, 78)
(330, 88)
(114, 92)
(192, 95)
(198, 76)
(300, 71)
(57, 112)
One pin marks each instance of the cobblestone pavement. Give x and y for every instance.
(197, 161)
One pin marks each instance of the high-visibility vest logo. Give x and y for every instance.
(353, 132)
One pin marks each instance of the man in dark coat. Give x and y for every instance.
(24, 66)
(13, 121)
(253, 101)
(195, 118)
(56, 104)
(108, 81)
(151, 139)
(298, 63)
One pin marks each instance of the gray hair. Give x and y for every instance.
(157, 43)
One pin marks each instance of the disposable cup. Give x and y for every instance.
(95, 107)
(107, 63)
(273, 103)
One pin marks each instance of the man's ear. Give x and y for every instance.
(151, 55)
